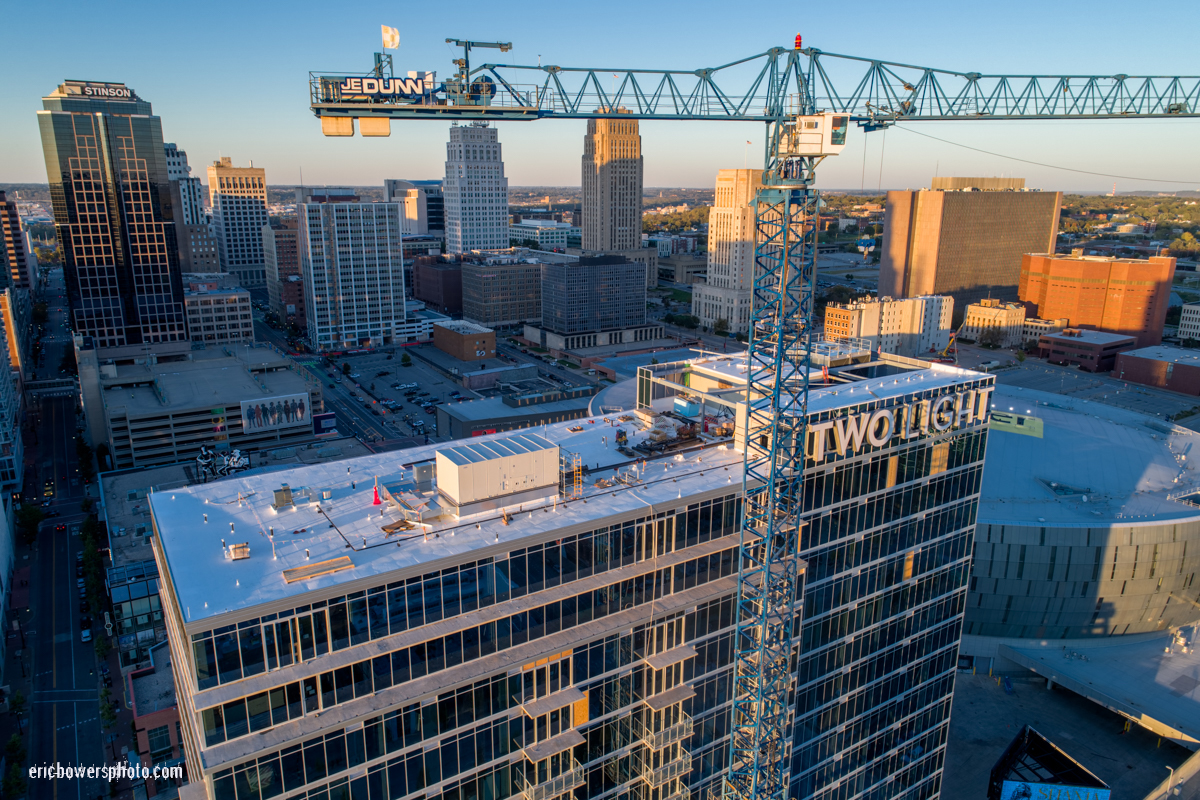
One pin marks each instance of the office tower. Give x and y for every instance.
(414, 203)
(476, 191)
(198, 249)
(1117, 295)
(18, 267)
(530, 638)
(964, 237)
(17, 310)
(612, 185)
(438, 284)
(352, 270)
(238, 196)
(115, 219)
(285, 286)
(911, 327)
(435, 206)
(726, 292)
(501, 292)
(593, 296)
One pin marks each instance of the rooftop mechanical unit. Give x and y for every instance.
(503, 472)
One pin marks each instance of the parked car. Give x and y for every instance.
(354, 375)
(85, 636)
(85, 623)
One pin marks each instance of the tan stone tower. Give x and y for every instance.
(612, 185)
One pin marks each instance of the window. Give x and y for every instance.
(160, 742)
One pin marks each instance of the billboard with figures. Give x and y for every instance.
(270, 413)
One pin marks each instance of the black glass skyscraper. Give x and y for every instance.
(114, 216)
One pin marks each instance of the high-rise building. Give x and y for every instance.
(476, 191)
(285, 285)
(438, 284)
(585, 642)
(435, 206)
(965, 237)
(17, 311)
(595, 296)
(352, 269)
(413, 201)
(612, 185)
(727, 291)
(1117, 295)
(238, 196)
(501, 292)
(12, 448)
(115, 219)
(18, 267)
(198, 248)
(912, 327)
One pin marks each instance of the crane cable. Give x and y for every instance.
(1038, 163)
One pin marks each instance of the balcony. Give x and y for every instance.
(679, 792)
(667, 733)
(561, 784)
(659, 768)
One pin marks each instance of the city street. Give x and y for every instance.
(63, 704)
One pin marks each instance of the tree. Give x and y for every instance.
(721, 327)
(1020, 356)
(17, 704)
(28, 519)
(687, 321)
(1185, 246)
(108, 715)
(14, 750)
(406, 360)
(84, 453)
(345, 367)
(15, 784)
(990, 338)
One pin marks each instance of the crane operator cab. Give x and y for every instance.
(816, 135)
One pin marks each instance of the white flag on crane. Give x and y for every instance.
(391, 37)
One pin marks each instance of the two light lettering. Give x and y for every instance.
(910, 421)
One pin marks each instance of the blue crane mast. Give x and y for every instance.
(807, 99)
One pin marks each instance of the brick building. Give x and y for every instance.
(465, 341)
(1119, 295)
(1162, 366)
(438, 284)
(1094, 351)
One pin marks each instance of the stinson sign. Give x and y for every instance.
(910, 421)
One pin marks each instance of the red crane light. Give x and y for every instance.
(799, 40)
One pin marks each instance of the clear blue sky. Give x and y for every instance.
(231, 79)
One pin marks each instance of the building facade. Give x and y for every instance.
(435, 206)
(501, 292)
(725, 294)
(352, 268)
(612, 185)
(1006, 319)
(1036, 328)
(540, 234)
(476, 191)
(1189, 321)
(218, 311)
(17, 263)
(1117, 295)
(1094, 351)
(964, 243)
(198, 247)
(238, 197)
(592, 295)
(114, 217)
(17, 310)
(1161, 366)
(464, 340)
(285, 286)
(909, 327)
(585, 648)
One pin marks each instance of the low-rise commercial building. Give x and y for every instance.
(686, 268)
(218, 310)
(1162, 366)
(161, 413)
(908, 327)
(1094, 351)
(994, 322)
(512, 412)
(1035, 328)
(464, 340)
(543, 234)
(156, 719)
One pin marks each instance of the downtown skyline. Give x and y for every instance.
(252, 103)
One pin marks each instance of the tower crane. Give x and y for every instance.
(807, 99)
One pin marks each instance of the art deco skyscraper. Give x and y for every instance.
(612, 185)
(731, 230)
(115, 218)
(238, 196)
(476, 191)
